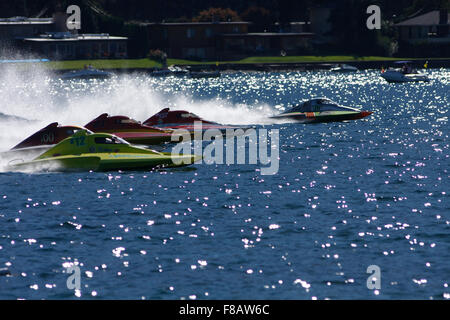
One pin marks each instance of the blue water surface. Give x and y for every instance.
(347, 196)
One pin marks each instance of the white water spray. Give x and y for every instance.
(34, 97)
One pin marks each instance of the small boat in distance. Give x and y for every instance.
(321, 110)
(343, 68)
(204, 74)
(87, 73)
(404, 74)
(170, 71)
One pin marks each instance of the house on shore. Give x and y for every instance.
(221, 40)
(430, 29)
(50, 38)
(66, 46)
(13, 29)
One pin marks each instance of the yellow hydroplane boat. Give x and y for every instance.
(102, 152)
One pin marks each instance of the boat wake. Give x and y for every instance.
(8, 117)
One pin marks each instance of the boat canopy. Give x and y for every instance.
(317, 105)
(109, 140)
(111, 123)
(174, 117)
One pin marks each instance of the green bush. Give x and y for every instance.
(157, 55)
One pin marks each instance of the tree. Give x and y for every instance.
(260, 17)
(351, 34)
(217, 14)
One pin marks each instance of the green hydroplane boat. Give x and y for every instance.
(321, 110)
(102, 152)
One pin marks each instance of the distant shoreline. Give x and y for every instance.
(299, 63)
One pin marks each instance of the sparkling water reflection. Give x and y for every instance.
(347, 195)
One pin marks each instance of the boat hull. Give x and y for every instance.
(199, 75)
(107, 162)
(86, 74)
(343, 70)
(86, 77)
(321, 117)
(397, 77)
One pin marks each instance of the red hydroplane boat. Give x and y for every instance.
(181, 119)
(41, 141)
(50, 135)
(129, 129)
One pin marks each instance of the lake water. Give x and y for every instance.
(371, 192)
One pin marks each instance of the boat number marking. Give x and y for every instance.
(79, 141)
(47, 137)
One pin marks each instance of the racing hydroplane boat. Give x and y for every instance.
(51, 134)
(102, 152)
(321, 110)
(129, 129)
(181, 119)
(40, 141)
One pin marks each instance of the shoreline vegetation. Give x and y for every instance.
(294, 61)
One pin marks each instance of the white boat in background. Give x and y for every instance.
(204, 74)
(343, 68)
(87, 73)
(170, 71)
(404, 74)
(394, 75)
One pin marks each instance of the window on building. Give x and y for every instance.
(208, 32)
(190, 52)
(122, 50)
(432, 30)
(69, 49)
(113, 47)
(190, 33)
(105, 50)
(95, 50)
(201, 53)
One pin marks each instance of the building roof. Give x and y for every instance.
(293, 23)
(193, 23)
(24, 20)
(428, 19)
(78, 37)
(269, 34)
